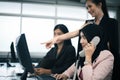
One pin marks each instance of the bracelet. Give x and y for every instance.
(87, 62)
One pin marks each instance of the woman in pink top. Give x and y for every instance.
(98, 61)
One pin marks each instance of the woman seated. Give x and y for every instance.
(59, 58)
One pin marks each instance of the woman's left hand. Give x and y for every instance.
(39, 71)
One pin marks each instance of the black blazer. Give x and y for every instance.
(59, 63)
(111, 28)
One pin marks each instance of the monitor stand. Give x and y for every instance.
(9, 65)
(24, 75)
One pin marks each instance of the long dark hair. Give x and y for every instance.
(90, 31)
(64, 29)
(104, 6)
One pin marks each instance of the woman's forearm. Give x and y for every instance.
(68, 35)
(71, 34)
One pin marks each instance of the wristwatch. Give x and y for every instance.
(86, 62)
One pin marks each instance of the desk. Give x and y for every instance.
(9, 73)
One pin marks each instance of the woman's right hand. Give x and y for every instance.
(48, 44)
(60, 77)
(51, 42)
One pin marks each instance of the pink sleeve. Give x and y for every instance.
(70, 71)
(101, 68)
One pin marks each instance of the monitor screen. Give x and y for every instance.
(23, 53)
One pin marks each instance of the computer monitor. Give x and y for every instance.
(12, 54)
(12, 51)
(24, 56)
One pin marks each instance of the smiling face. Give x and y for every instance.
(93, 9)
(83, 40)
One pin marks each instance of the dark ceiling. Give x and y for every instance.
(70, 2)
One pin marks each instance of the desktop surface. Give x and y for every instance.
(12, 73)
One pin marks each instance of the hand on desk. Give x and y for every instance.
(60, 76)
(39, 71)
